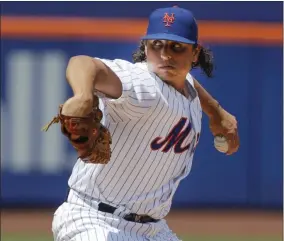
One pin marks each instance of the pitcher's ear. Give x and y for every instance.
(196, 53)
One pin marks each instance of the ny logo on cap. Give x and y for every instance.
(168, 19)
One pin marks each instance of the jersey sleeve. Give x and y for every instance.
(138, 91)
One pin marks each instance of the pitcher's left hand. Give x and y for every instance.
(224, 123)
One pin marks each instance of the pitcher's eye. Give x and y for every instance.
(177, 47)
(157, 44)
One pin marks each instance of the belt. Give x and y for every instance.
(132, 217)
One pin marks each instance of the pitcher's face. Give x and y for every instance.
(170, 60)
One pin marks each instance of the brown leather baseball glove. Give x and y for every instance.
(87, 135)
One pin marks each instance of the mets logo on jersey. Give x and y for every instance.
(168, 19)
(176, 138)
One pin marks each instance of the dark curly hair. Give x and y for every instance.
(205, 59)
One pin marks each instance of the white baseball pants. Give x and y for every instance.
(72, 222)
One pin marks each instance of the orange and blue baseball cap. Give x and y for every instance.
(173, 23)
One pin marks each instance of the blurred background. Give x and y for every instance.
(236, 197)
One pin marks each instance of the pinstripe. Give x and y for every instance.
(133, 225)
(67, 233)
(177, 172)
(96, 234)
(136, 106)
(132, 156)
(124, 228)
(150, 168)
(134, 113)
(139, 171)
(177, 163)
(117, 116)
(108, 116)
(115, 165)
(81, 207)
(166, 128)
(156, 181)
(90, 220)
(74, 201)
(122, 168)
(120, 151)
(104, 231)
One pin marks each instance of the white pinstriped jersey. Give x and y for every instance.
(155, 130)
